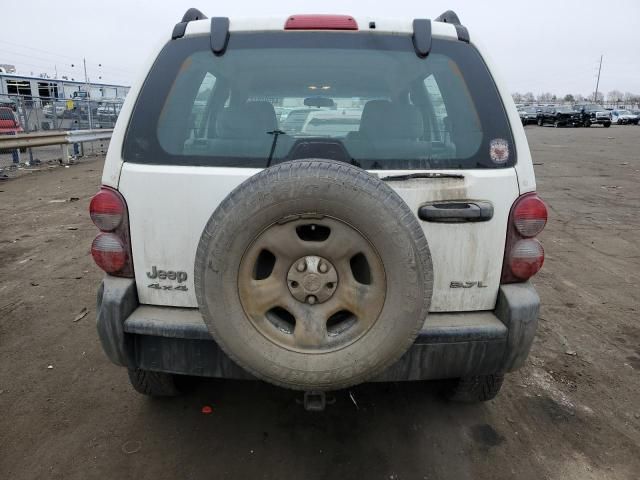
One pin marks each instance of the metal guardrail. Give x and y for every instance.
(13, 143)
(43, 139)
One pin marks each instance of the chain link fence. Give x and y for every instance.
(37, 114)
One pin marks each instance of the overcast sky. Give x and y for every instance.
(538, 45)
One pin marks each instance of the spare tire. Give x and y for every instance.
(313, 275)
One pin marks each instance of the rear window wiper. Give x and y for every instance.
(410, 176)
(275, 134)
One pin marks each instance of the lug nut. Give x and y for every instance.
(311, 299)
(323, 267)
(301, 266)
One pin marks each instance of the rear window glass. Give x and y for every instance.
(363, 98)
(6, 114)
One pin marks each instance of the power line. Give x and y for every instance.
(37, 49)
(74, 60)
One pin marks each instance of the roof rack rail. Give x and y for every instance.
(189, 16)
(449, 17)
(194, 14)
(422, 36)
(219, 34)
(452, 17)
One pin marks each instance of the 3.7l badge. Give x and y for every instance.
(479, 284)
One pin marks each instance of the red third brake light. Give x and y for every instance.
(320, 22)
(111, 249)
(524, 255)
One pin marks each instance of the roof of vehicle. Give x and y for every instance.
(277, 23)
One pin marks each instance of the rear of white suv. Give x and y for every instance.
(390, 237)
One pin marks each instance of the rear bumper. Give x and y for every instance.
(176, 340)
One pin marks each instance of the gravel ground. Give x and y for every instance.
(571, 413)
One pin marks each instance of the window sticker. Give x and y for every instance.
(499, 150)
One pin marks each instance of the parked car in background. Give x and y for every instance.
(295, 120)
(54, 110)
(559, 117)
(107, 112)
(337, 123)
(9, 102)
(591, 113)
(623, 117)
(10, 125)
(528, 115)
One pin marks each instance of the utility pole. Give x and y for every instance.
(86, 81)
(595, 95)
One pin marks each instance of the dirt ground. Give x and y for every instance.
(572, 413)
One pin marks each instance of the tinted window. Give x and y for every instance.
(369, 92)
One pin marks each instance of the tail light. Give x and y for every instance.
(524, 255)
(111, 249)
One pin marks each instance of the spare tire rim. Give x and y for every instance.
(312, 284)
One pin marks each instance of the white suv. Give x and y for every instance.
(391, 241)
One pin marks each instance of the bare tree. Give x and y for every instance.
(615, 96)
(579, 97)
(599, 99)
(631, 99)
(568, 98)
(545, 97)
(517, 97)
(528, 97)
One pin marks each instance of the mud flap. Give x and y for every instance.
(117, 299)
(518, 307)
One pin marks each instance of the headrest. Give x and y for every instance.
(249, 121)
(383, 119)
(373, 118)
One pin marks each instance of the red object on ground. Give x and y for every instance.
(207, 410)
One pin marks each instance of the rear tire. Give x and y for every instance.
(540, 122)
(479, 388)
(153, 384)
(607, 124)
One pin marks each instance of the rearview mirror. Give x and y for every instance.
(319, 102)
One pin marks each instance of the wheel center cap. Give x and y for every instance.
(311, 282)
(312, 279)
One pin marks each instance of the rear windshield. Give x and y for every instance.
(364, 98)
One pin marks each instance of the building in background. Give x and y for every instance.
(48, 88)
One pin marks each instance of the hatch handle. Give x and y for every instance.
(456, 211)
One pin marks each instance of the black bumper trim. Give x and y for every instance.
(176, 340)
